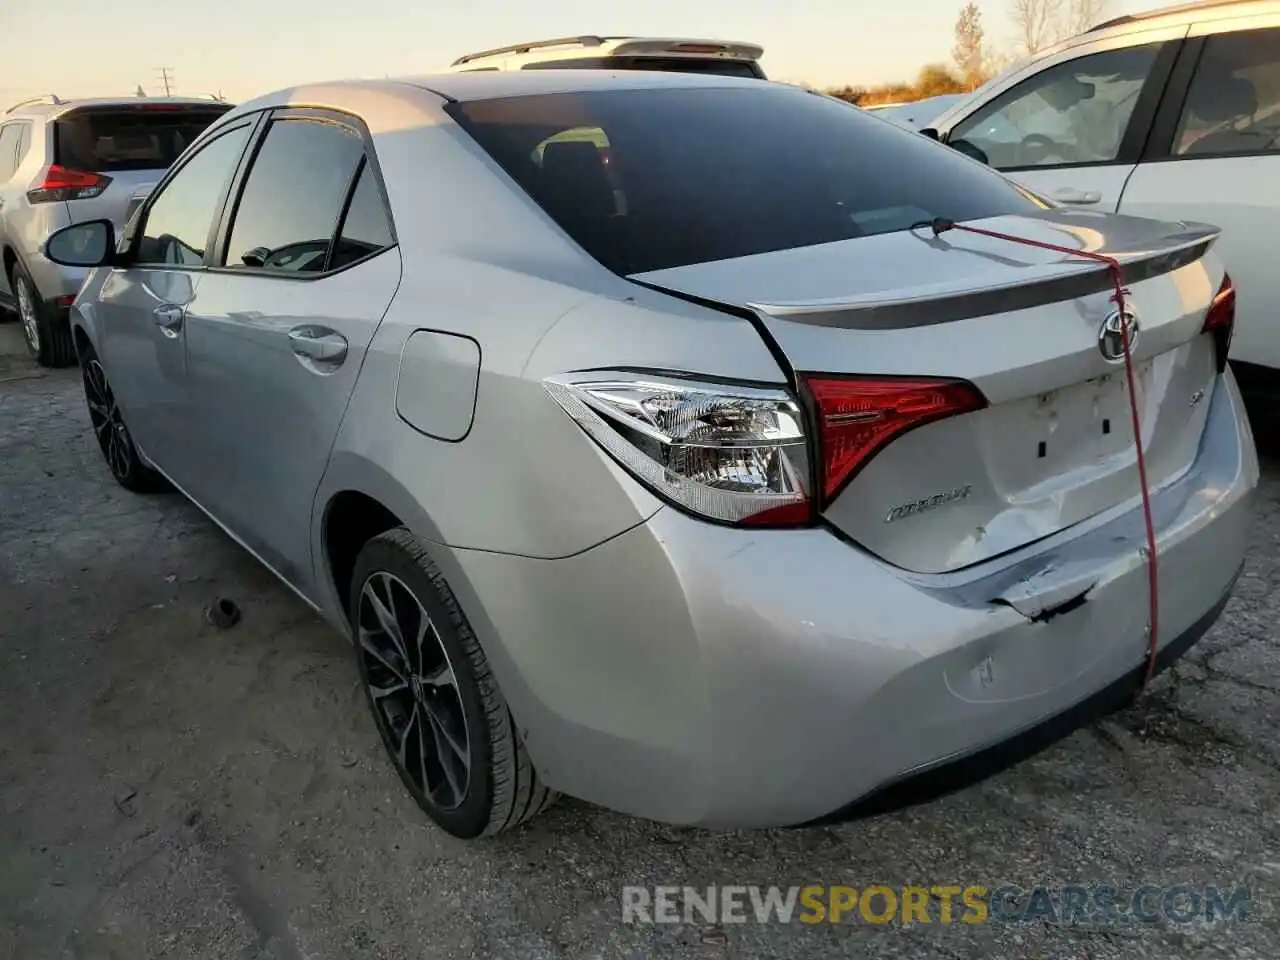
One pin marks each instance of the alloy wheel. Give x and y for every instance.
(414, 690)
(108, 424)
(27, 314)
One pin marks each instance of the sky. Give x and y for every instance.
(242, 48)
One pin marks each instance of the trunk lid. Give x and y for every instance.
(1054, 446)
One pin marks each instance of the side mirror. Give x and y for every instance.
(88, 244)
(970, 150)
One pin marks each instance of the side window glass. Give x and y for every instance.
(1233, 106)
(178, 222)
(1074, 112)
(10, 136)
(365, 229)
(293, 196)
(24, 145)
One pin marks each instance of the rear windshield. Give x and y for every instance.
(713, 65)
(647, 179)
(130, 138)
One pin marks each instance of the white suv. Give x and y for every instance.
(1173, 114)
(728, 57)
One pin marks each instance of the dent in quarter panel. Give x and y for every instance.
(436, 383)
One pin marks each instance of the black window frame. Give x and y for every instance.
(215, 252)
(1134, 139)
(1168, 120)
(132, 238)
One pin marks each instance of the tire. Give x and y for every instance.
(445, 694)
(48, 336)
(111, 433)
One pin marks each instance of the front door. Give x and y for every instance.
(1071, 127)
(142, 307)
(279, 327)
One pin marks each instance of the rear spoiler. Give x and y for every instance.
(947, 303)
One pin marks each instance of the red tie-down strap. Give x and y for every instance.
(942, 225)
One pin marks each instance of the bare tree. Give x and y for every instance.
(969, 51)
(1037, 23)
(1081, 15)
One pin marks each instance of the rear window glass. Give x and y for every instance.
(713, 65)
(663, 177)
(137, 138)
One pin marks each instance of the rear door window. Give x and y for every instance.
(294, 194)
(1233, 106)
(144, 137)
(646, 179)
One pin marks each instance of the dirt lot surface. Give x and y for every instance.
(170, 790)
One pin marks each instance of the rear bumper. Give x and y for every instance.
(956, 773)
(706, 675)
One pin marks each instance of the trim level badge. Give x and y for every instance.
(903, 510)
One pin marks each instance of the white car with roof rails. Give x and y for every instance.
(69, 161)
(590, 52)
(1172, 114)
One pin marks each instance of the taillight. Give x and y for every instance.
(1220, 321)
(58, 183)
(858, 416)
(730, 453)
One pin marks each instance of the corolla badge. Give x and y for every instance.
(1111, 335)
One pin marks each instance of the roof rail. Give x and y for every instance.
(587, 40)
(51, 98)
(1163, 12)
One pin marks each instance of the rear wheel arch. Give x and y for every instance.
(351, 519)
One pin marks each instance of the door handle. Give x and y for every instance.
(1083, 198)
(168, 317)
(319, 344)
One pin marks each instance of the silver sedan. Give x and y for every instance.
(673, 441)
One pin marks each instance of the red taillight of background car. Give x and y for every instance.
(858, 416)
(1220, 321)
(57, 183)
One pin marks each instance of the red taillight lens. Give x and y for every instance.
(1220, 321)
(858, 416)
(58, 183)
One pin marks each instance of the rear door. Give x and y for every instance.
(304, 269)
(1215, 156)
(129, 146)
(1072, 127)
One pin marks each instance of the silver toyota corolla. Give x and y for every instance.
(654, 446)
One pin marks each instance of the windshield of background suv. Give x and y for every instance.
(664, 177)
(144, 137)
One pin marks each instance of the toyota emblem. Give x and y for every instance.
(1111, 335)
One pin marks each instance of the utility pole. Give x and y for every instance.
(166, 77)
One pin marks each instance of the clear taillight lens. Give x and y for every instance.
(730, 453)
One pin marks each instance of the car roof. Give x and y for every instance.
(1194, 11)
(51, 107)
(491, 85)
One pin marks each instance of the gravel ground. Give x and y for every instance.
(168, 790)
